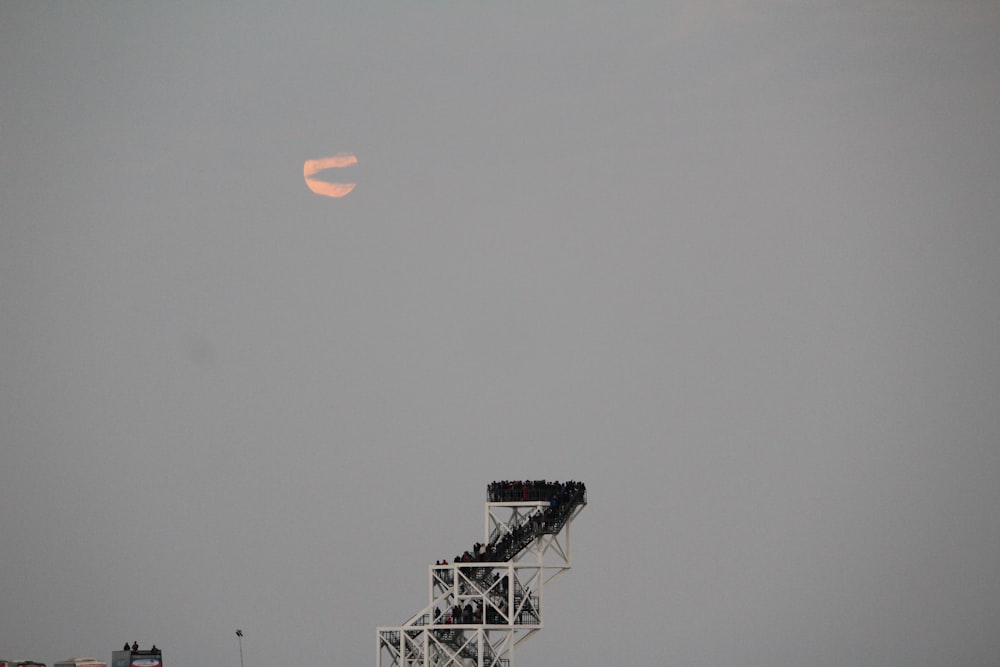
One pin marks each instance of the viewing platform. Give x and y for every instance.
(490, 598)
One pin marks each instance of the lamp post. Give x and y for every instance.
(239, 634)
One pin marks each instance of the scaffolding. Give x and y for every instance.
(481, 608)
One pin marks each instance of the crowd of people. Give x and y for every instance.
(458, 614)
(473, 612)
(561, 497)
(536, 490)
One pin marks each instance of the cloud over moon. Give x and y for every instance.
(313, 167)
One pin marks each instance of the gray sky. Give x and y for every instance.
(735, 265)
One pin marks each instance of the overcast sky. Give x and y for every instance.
(735, 265)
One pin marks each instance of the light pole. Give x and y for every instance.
(239, 633)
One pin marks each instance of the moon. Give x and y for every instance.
(335, 190)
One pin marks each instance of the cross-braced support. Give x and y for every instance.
(482, 607)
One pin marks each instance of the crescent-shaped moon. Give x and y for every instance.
(336, 190)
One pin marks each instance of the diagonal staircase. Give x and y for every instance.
(491, 599)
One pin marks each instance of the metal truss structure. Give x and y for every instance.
(479, 611)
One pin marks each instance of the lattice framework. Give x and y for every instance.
(508, 595)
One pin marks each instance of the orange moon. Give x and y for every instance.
(313, 167)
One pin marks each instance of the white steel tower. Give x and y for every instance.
(482, 607)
